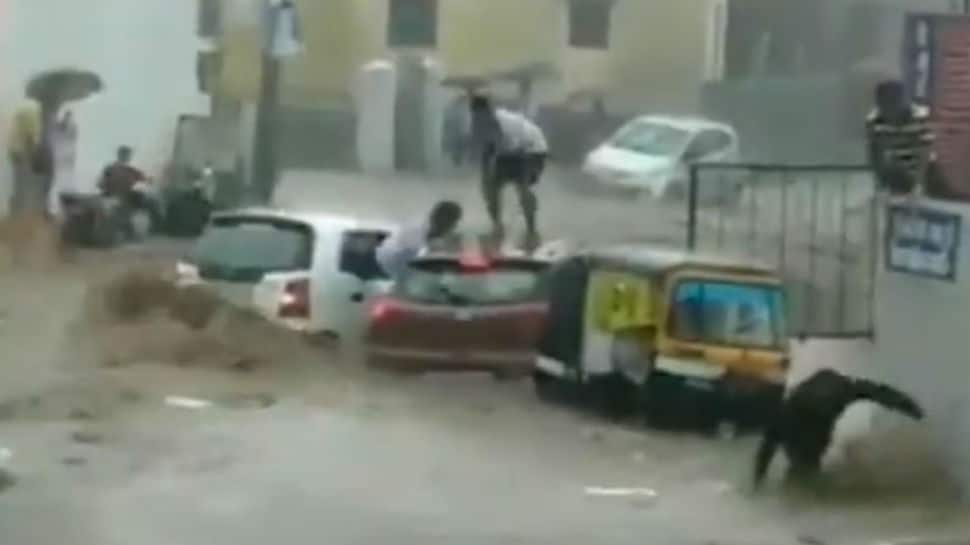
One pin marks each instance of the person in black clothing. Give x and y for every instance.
(900, 143)
(805, 421)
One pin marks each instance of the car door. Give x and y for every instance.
(357, 279)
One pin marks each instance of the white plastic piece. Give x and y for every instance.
(621, 492)
(188, 402)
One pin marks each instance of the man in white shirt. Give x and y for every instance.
(399, 249)
(514, 150)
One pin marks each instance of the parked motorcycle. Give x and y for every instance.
(189, 205)
(95, 220)
(89, 220)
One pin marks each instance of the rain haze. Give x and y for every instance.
(255, 324)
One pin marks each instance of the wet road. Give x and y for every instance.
(593, 215)
(349, 457)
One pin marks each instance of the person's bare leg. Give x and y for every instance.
(529, 173)
(529, 204)
(492, 194)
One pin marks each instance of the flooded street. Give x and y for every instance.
(110, 455)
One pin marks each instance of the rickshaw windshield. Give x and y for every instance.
(728, 313)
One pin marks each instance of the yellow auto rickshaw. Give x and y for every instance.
(681, 338)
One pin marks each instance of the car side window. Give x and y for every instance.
(357, 254)
(707, 143)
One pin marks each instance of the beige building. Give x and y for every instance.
(640, 54)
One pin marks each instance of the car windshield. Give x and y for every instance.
(448, 282)
(244, 249)
(728, 313)
(651, 138)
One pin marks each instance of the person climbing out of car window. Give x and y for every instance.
(396, 251)
(514, 149)
(804, 423)
(900, 141)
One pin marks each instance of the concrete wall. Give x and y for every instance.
(923, 346)
(658, 54)
(145, 52)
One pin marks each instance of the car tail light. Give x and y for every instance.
(474, 262)
(295, 301)
(383, 309)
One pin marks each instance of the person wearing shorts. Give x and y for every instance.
(514, 150)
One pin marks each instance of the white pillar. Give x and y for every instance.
(434, 110)
(374, 93)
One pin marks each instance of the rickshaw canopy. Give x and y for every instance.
(653, 261)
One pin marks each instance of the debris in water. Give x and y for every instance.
(129, 396)
(87, 437)
(7, 479)
(80, 414)
(74, 461)
(247, 401)
(187, 402)
(600, 491)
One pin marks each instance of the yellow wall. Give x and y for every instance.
(480, 36)
(657, 53)
(655, 59)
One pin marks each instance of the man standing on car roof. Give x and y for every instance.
(514, 149)
(398, 250)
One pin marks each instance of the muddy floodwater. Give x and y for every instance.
(153, 446)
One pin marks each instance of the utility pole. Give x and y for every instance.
(282, 38)
(265, 159)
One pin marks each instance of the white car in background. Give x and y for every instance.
(290, 267)
(650, 154)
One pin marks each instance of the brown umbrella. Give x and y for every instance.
(55, 87)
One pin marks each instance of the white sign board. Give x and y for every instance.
(282, 34)
(922, 242)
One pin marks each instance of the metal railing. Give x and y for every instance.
(817, 224)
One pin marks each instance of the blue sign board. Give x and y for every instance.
(922, 242)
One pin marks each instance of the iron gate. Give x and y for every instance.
(817, 224)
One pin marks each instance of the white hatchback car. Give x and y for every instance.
(651, 154)
(291, 267)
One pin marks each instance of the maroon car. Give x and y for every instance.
(449, 313)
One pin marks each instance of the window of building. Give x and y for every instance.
(208, 65)
(210, 18)
(716, 41)
(412, 23)
(589, 23)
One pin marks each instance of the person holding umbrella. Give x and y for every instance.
(50, 90)
(23, 149)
